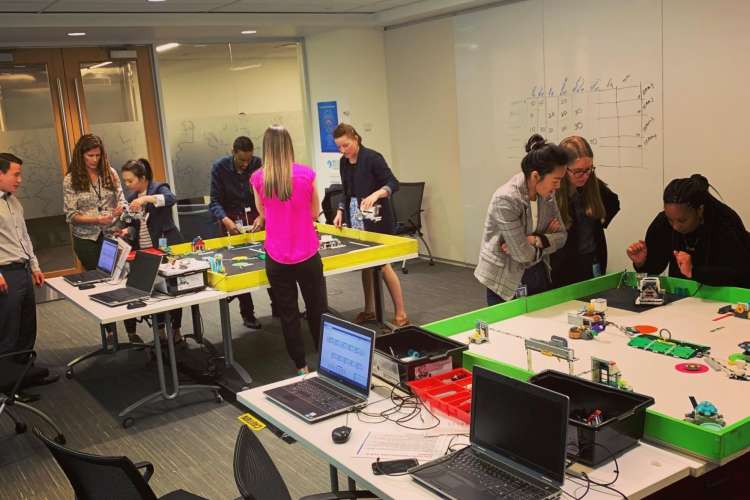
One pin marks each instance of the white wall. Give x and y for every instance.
(424, 134)
(348, 66)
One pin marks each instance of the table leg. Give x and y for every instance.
(104, 349)
(234, 378)
(334, 473)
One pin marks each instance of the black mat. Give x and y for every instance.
(624, 298)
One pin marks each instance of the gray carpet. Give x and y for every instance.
(191, 440)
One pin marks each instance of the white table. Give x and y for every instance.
(106, 315)
(643, 470)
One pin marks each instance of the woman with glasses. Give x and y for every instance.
(587, 206)
(523, 226)
(697, 236)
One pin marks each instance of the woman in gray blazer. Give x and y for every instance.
(523, 227)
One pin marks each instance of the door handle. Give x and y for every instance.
(78, 105)
(61, 103)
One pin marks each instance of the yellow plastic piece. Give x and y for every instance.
(390, 247)
(249, 420)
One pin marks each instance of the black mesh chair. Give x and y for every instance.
(333, 196)
(14, 376)
(195, 220)
(114, 478)
(407, 210)
(258, 478)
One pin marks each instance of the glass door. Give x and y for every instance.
(48, 99)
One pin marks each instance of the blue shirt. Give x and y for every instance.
(230, 189)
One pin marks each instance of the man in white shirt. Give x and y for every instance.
(19, 268)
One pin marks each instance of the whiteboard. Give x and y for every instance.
(579, 67)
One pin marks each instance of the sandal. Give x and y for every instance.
(364, 317)
(399, 322)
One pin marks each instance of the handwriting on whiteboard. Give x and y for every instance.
(616, 115)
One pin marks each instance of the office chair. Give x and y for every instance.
(334, 194)
(258, 478)
(407, 211)
(196, 220)
(12, 376)
(114, 478)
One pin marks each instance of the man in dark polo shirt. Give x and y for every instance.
(232, 203)
(19, 268)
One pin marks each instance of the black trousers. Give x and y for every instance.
(175, 318)
(17, 310)
(579, 268)
(284, 279)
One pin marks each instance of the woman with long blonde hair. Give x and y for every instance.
(287, 200)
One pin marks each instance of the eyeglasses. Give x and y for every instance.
(580, 172)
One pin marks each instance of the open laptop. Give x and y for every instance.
(105, 267)
(344, 371)
(140, 282)
(518, 434)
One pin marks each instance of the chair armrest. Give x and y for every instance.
(149, 469)
(341, 495)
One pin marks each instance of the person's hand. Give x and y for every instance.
(553, 226)
(119, 209)
(230, 226)
(685, 263)
(38, 278)
(137, 204)
(637, 252)
(257, 224)
(339, 219)
(105, 220)
(3, 285)
(368, 202)
(122, 233)
(504, 248)
(534, 240)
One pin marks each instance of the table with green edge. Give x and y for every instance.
(692, 319)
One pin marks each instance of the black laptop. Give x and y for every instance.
(344, 371)
(140, 282)
(518, 435)
(104, 267)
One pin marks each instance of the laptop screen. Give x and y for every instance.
(107, 256)
(523, 423)
(143, 271)
(346, 353)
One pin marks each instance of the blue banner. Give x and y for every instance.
(328, 117)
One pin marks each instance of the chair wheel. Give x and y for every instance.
(69, 373)
(219, 399)
(60, 439)
(405, 271)
(432, 262)
(20, 427)
(127, 422)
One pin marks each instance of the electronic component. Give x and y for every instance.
(651, 293)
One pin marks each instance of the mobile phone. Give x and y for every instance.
(388, 467)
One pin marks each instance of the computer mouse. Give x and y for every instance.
(136, 304)
(86, 286)
(341, 434)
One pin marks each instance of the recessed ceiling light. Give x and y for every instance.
(77, 33)
(248, 32)
(167, 46)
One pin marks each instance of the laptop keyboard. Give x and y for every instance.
(321, 395)
(494, 479)
(90, 275)
(121, 294)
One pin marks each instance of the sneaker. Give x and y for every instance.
(252, 323)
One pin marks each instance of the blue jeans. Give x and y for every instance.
(535, 279)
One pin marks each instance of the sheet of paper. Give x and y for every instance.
(392, 446)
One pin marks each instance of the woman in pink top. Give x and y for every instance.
(287, 201)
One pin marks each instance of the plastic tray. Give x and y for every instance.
(448, 393)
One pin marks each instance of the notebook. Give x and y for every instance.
(344, 371)
(518, 434)
(105, 267)
(140, 282)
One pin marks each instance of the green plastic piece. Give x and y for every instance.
(674, 348)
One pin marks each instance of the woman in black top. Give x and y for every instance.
(368, 182)
(698, 236)
(587, 206)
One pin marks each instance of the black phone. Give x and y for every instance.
(388, 467)
(86, 286)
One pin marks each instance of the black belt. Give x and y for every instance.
(13, 266)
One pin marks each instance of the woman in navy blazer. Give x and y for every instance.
(154, 201)
(368, 182)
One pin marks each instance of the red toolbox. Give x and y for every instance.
(448, 393)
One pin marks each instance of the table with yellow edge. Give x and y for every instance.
(386, 249)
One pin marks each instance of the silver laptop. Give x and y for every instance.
(140, 282)
(105, 267)
(344, 371)
(518, 434)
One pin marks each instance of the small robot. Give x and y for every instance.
(608, 373)
(589, 322)
(372, 214)
(198, 245)
(328, 242)
(740, 310)
(651, 293)
(481, 333)
(705, 414)
(128, 216)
